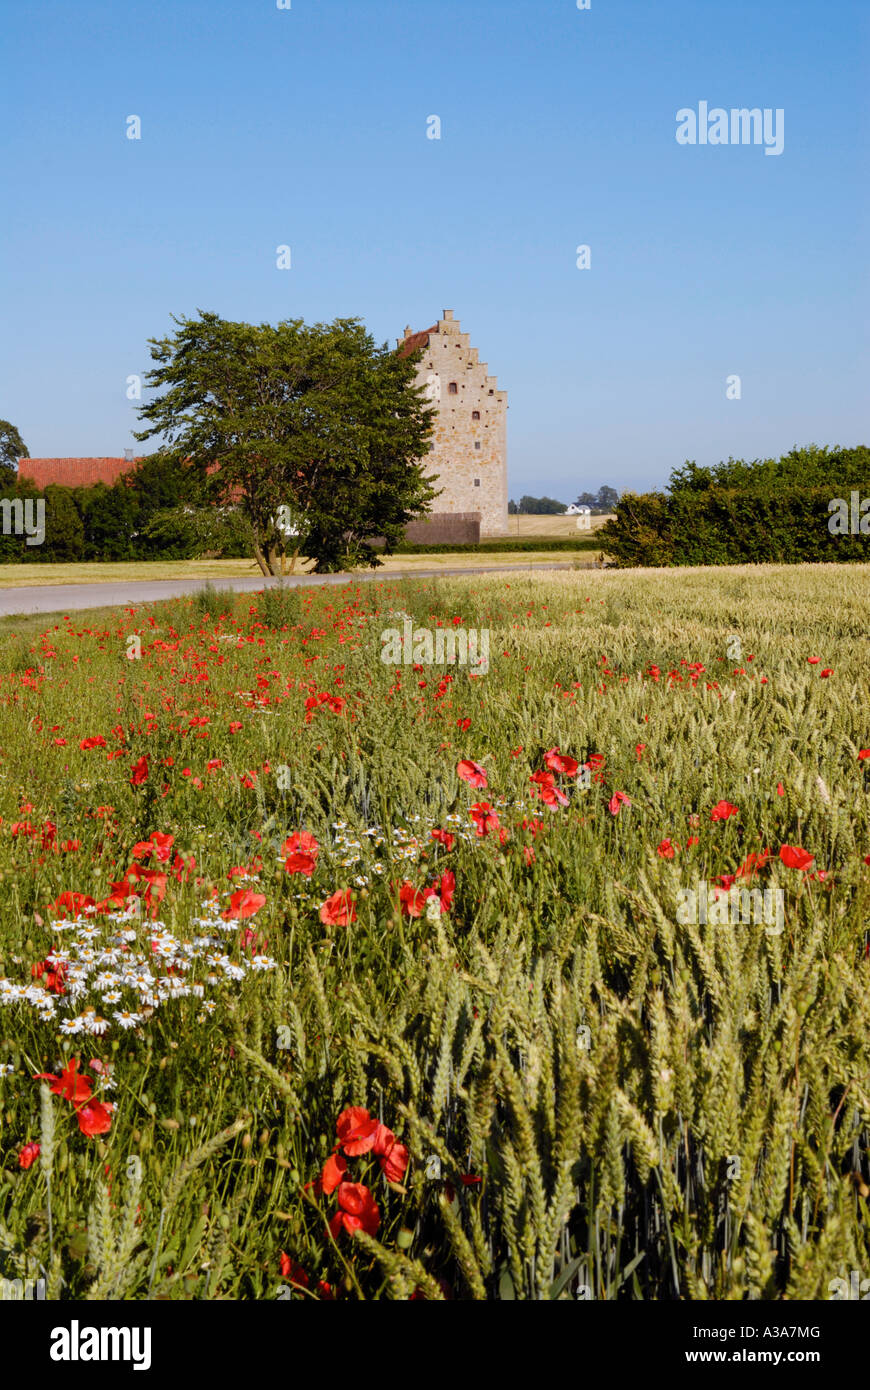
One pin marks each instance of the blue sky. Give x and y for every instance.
(307, 127)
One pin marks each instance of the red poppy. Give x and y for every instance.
(828, 671)
(158, 844)
(72, 1087)
(293, 1271)
(485, 819)
(545, 787)
(864, 753)
(560, 762)
(53, 975)
(356, 1131)
(617, 801)
(97, 741)
(300, 864)
(793, 857)
(94, 1118)
(333, 1173)
(471, 772)
(444, 889)
(722, 810)
(392, 1156)
(445, 838)
(125, 888)
(243, 903)
(667, 849)
(28, 1155)
(357, 1210)
(752, 863)
(301, 843)
(139, 771)
(182, 868)
(411, 900)
(74, 904)
(338, 910)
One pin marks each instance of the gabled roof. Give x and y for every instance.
(73, 472)
(416, 340)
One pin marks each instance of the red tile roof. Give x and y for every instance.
(73, 472)
(416, 340)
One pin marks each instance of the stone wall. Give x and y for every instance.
(445, 528)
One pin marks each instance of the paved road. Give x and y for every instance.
(62, 598)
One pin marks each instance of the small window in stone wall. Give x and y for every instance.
(477, 443)
(477, 482)
(475, 414)
(452, 389)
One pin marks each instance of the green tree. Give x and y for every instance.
(12, 448)
(541, 506)
(109, 517)
(314, 432)
(64, 532)
(607, 498)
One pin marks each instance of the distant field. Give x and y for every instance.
(99, 572)
(551, 525)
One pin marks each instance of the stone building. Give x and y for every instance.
(469, 441)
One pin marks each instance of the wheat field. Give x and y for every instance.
(295, 1045)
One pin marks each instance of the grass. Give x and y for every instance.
(109, 572)
(588, 1095)
(551, 526)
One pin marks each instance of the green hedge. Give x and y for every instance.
(509, 543)
(731, 526)
(157, 514)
